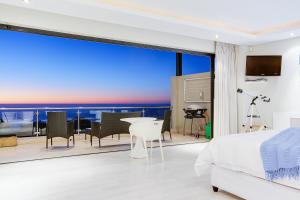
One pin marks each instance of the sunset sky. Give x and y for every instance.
(44, 69)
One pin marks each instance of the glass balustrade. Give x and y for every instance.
(33, 121)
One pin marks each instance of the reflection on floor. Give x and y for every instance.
(31, 148)
(113, 176)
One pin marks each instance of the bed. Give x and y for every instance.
(236, 166)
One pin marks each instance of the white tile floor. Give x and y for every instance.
(32, 148)
(113, 176)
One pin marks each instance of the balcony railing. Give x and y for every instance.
(25, 121)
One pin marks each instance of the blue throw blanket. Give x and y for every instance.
(281, 155)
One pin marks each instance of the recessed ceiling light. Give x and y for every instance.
(292, 34)
(26, 1)
(217, 36)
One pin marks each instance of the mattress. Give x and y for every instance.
(238, 152)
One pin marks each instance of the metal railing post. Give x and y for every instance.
(37, 123)
(78, 122)
(143, 112)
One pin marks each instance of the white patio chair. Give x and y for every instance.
(147, 131)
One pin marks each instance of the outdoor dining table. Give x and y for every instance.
(138, 150)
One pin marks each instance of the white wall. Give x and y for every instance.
(61, 23)
(284, 90)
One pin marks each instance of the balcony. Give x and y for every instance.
(31, 135)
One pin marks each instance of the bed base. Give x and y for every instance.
(215, 189)
(250, 187)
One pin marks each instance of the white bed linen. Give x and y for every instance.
(238, 152)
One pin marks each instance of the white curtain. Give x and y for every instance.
(225, 102)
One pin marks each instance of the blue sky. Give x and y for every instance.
(45, 69)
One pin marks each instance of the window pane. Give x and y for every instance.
(45, 69)
(193, 64)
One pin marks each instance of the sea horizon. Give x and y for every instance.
(35, 105)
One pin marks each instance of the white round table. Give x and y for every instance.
(138, 149)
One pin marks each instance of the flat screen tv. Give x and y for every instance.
(263, 65)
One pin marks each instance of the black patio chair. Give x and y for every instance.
(58, 126)
(166, 127)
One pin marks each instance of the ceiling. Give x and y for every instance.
(233, 21)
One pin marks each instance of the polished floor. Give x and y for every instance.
(32, 148)
(113, 176)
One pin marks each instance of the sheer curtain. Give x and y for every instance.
(225, 102)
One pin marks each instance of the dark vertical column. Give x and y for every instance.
(178, 64)
(212, 91)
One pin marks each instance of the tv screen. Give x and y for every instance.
(263, 65)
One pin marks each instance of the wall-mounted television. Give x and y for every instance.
(263, 65)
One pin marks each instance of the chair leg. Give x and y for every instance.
(119, 136)
(163, 135)
(146, 151)
(131, 143)
(112, 136)
(73, 140)
(184, 127)
(46, 143)
(91, 138)
(67, 142)
(85, 136)
(192, 126)
(151, 145)
(170, 135)
(161, 150)
(99, 143)
(51, 141)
